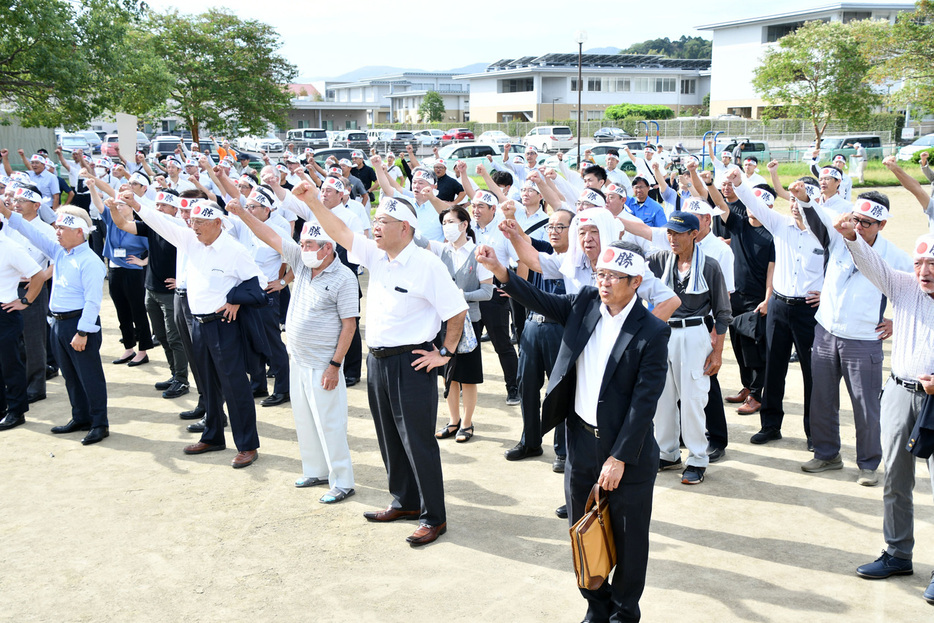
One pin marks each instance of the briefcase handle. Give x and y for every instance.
(593, 500)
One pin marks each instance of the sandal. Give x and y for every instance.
(464, 434)
(445, 431)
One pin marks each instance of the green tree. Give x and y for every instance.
(685, 47)
(228, 76)
(63, 63)
(432, 107)
(820, 72)
(638, 111)
(905, 54)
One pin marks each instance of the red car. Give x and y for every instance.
(458, 134)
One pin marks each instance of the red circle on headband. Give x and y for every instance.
(607, 255)
(922, 248)
(865, 206)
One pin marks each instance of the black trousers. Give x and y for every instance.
(495, 317)
(404, 405)
(13, 364)
(750, 354)
(786, 325)
(35, 339)
(630, 514)
(218, 347)
(717, 433)
(128, 293)
(279, 356)
(83, 373)
(519, 314)
(538, 350)
(185, 321)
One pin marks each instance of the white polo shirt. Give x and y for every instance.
(15, 265)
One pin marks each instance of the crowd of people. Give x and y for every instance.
(619, 290)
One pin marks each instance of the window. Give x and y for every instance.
(594, 115)
(688, 87)
(642, 85)
(850, 16)
(665, 85)
(593, 84)
(776, 32)
(516, 85)
(574, 84)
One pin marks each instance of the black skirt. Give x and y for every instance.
(467, 368)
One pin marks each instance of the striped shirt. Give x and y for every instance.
(913, 321)
(318, 305)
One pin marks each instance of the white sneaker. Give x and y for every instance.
(867, 478)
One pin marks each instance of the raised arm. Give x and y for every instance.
(263, 231)
(308, 194)
(389, 187)
(410, 156)
(780, 191)
(521, 244)
(490, 184)
(125, 224)
(460, 167)
(698, 185)
(911, 184)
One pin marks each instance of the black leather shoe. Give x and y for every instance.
(260, 393)
(50, 372)
(520, 451)
(562, 511)
(558, 465)
(122, 360)
(164, 385)
(35, 398)
(12, 420)
(133, 364)
(98, 433)
(70, 427)
(275, 399)
(198, 427)
(766, 435)
(350, 381)
(194, 414)
(175, 390)
(715, 454)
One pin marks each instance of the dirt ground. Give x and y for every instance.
(132, 529)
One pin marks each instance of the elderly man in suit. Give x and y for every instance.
(605, 384)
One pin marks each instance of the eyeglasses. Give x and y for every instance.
(864, 222)
(556, 228)
(610, 277)
(382, 222)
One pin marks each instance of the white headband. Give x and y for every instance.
(622, 261)
(397, 209)
(205, 211)
(870, 208)
(140, 179)
(924, 247)
(28, 195)
(168, 199)
(485, 196)
(831, 172)
(261, 198)
(696, 206)
(333, 182)
(312, 230)
(246, 179)
(616, 189)
(591, 197)
(72, 222)
(767, 197)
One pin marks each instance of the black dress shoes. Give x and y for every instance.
(133, 364)
(98, 433)
(35, 398)
(521, 451)
(766, 435)
(175, 390)
(122, 360)
(350, 381)
(562, 511)
(12, 420)
(198, 427)
(70, 427)
(164, 385)
(195, 414)
(275, 399)
(260, 393)
(50, 372)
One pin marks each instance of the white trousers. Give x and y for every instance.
(321, 426)
(687, 351)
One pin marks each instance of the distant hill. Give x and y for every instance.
(377, 71)
(606, 50)
(685, 47)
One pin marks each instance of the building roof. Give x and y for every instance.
(820, 11)
(310, 90)
(603, 61)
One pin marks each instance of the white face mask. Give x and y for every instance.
(100, 171)
(452, 231)
(311, 259)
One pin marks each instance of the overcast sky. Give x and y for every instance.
(326, 39)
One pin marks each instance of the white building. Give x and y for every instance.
(738, 47)
(545, 87)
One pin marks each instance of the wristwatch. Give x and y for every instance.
(25, 301)
(444, 352)
(82, 333)
(282, 282)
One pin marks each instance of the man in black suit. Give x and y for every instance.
(605, 384)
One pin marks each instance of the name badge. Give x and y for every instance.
(119, 253)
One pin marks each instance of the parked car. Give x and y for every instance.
(458, 134)
(844, 145)
(354, 139)
(338, 152)
(924, 143)
(607, 135)
(428, 138)
(471, 153)
(110, 145)
(307, 138)
(167, 144)
(550, 138)
(494, 137)
(101, 134)
(268, 142)
(599, 151)
(71, 142)
(394, 140)
(142, 142)
(93, 139)
(759, 149)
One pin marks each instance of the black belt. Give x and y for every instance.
(206, 318)
(912, 386)
(182, 292)
(66, 315)
(681, 323)
(791, 300)
(540, 319)
(389, 351)
(593, 430)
